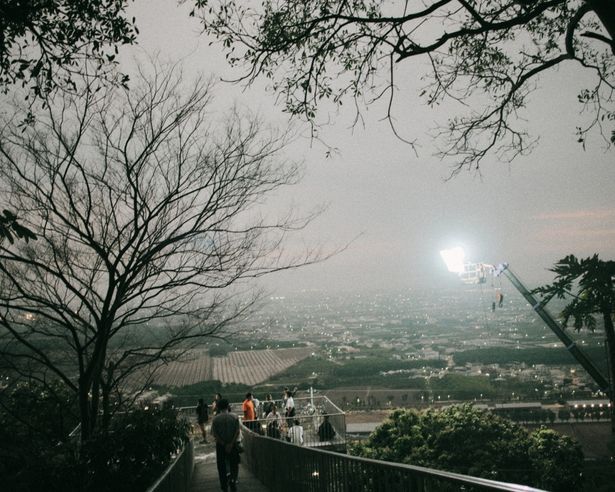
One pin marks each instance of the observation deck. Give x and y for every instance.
(275, 464)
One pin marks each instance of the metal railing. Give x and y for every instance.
(310, 412)
(310, 426)
(178, 475)
(282, 466)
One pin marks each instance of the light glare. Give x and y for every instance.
(454, 259)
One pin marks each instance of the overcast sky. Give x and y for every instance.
(399, 206)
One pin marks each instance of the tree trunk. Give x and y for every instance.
(84, 411)
(106, 386)
(89, 388)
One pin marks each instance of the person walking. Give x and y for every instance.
(225, 430)
(202, 416)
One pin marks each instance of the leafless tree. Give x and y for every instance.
(149, 222)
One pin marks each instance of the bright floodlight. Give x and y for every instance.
(454, 259)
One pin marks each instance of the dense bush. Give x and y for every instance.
(135, 451)
(35, 420)
(35, 447)
(466, 440)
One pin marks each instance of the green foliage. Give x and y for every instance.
(463, 387)
(557, 461)
(487, 51)
(592, 280)
(35, 447)
(35, 420)
(220, 349)
(370, 370)
(466, 440)
(538, 355)
(41, 42)
(9, 227)
(135, 452)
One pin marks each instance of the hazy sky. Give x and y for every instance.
(400, 207)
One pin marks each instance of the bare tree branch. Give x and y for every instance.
(148, 230)
(488, 54)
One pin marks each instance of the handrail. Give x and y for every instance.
(178, 475)
(282, 466)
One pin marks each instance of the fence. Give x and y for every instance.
(310, 412)
(282, 466)
(178, 475)
(310, 426)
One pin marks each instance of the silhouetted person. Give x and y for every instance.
(225, 429)
(214, 404)
(326, 432)
(202, 416)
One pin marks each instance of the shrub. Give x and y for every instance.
(35, 449)
(135, 451)
(463, 439)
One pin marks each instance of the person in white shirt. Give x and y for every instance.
(275, 423)
(289, 407)
(257, 407)
(295, 433)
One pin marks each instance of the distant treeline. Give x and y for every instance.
(222, 348)
(540, 355)
(373, 366)
(325, 373)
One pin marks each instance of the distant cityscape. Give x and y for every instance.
(411, 346)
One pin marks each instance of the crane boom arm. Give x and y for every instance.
(569, 343)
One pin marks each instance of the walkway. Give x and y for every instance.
(205, 476)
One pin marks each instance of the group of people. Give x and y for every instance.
(225, 428)
(253, 410)
(276, 424)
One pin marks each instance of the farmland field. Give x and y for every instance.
(247, 367)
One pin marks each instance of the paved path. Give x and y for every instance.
(205, 476)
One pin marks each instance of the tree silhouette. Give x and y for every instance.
(484, 56)
(149, 230)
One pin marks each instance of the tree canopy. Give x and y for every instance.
(43, 42)
(466, 440)
(485, 55)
